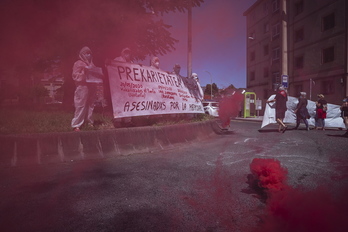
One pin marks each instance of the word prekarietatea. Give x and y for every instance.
(139, 74)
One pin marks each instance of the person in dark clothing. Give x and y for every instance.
(320, 112)
(281, 98)
(301, 111)
(344, 113)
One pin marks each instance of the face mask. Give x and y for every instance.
(88, 56)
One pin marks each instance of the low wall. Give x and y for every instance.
(17, 150)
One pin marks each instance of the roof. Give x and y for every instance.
(252, 7)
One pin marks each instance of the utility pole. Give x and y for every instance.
(284, 39)
(189, 43)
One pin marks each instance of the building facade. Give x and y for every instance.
(302, 44)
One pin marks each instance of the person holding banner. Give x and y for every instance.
(344, 114)
(301, 111)
(281, 98)
(320, 112)
(125, 56)
(176, 69)
(85, 93)
(155, 63)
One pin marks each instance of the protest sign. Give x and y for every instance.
(94, 75)
(140, 90)
(333, 118)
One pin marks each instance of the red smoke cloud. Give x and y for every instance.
(269, 173)
(290, 209)
(229, 107)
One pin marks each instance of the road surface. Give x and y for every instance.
(201, 186)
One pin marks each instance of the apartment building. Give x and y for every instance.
(299, 43)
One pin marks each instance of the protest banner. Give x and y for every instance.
(94, 75)
(141, 90)
(333, 118)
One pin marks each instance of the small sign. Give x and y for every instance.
(285, 80)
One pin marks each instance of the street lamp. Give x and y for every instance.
(211, 85)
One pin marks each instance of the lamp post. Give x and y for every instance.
(211, 85)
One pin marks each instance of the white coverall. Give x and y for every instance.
(85, 93)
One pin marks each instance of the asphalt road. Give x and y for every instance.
(201, 186)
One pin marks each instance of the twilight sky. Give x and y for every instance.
(218, 43)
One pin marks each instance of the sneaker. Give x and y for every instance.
(76, 129)
(90, 125)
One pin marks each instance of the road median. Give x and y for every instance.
(36, 149)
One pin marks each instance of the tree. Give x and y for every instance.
(228, 90)
(35, 29)
(211, 88)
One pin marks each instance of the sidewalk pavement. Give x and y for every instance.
(257, 118)
(33, 149)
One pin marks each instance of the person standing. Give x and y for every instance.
(176, 70)
(321, 108)
(281, 98)
(85, 93)
(155, 62)
(344, 114)
(125, 56)
(301, 111)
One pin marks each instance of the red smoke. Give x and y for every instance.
(290, 209)
(229, 107)
(212, 203)
(269, 174)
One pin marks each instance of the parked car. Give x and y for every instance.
(211, 108)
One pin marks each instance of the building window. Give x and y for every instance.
(265, 8)
(275, 31)
(265, 50)
(299, 35)
(252, 76)
(299, 62)
(328, 22)
(327, 87)
(298, 7)
(253, 16)
(328, 55)
(275, 5)
(266, 28)
(252, 56)
(251, 36)
(275, 80)
(276, 54)
(265, 72)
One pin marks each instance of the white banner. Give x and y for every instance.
(333, 117)
(140, 90)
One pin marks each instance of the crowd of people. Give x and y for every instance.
(302, 113)
(85, 92)
(85, 96)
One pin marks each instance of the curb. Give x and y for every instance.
(34, 149)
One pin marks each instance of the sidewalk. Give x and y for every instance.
(257, 118)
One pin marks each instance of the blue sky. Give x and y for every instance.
(218, 43)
